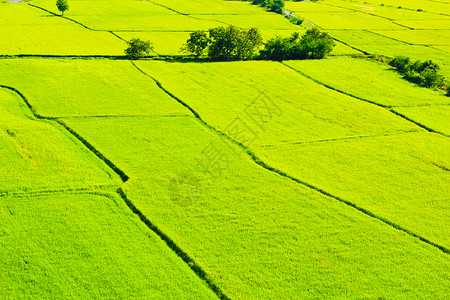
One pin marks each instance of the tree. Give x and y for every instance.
(316, 44)
(249, 41)
(223, 42)
(62, 6)
(233, 43)
(138, 48)
(197, 43)
(312, 45)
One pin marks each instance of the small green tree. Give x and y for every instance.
(62, 6)
(138, 48)
(249, 41)
(197, 43)
(277, 6)
(316, 44)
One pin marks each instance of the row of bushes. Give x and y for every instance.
(233, 43)
(424, 73)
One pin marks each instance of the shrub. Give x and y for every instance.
(197, 43)
(231, 42)
(314, 44)
(400, 63)
(138, 48)
(425, 73)
(431, 78)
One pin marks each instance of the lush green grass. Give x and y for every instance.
(296, 109)
(27, 30)
(403, 178)
(51, 39)
(81, 246)
(361, 38)
(423, 37)
(426, 24)
(129, 15)
(37, 155)
(435, 117)
(384, 9)
(369, 80)
(443, 48)
(86, 87)
(212, 7)
(256, 234)
(347, 20)
(265, 21)
(299, 7)
(14, 14)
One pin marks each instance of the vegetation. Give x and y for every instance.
(225, 43)
(385, 88)
(63, 5)
(314, 44)
(138, 48)
(425, 74)
(182, 178)
(197, 43)
(276, 6)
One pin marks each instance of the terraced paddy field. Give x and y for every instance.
(178, 178)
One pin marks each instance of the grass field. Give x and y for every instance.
(419, 161)
(249, 246)
(435, 116)
(86, 88)
(171, 177)
(85, 246)
(293, 104)
(37, 156)
(372, 81)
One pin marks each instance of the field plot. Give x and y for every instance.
(373, 173)
(26, 30)
(212, 7)
(256, 234)
(36, 155)
(426, 24)
(294, 107)
(129, 15)
(436, 8)
(51, 39)
(369, 80)
(348, 20)
(22, 14)
(86, 246)
(86, 88)
(419, 37)
(435, 117)
(309, 6)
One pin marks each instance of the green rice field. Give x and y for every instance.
(179, 177)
